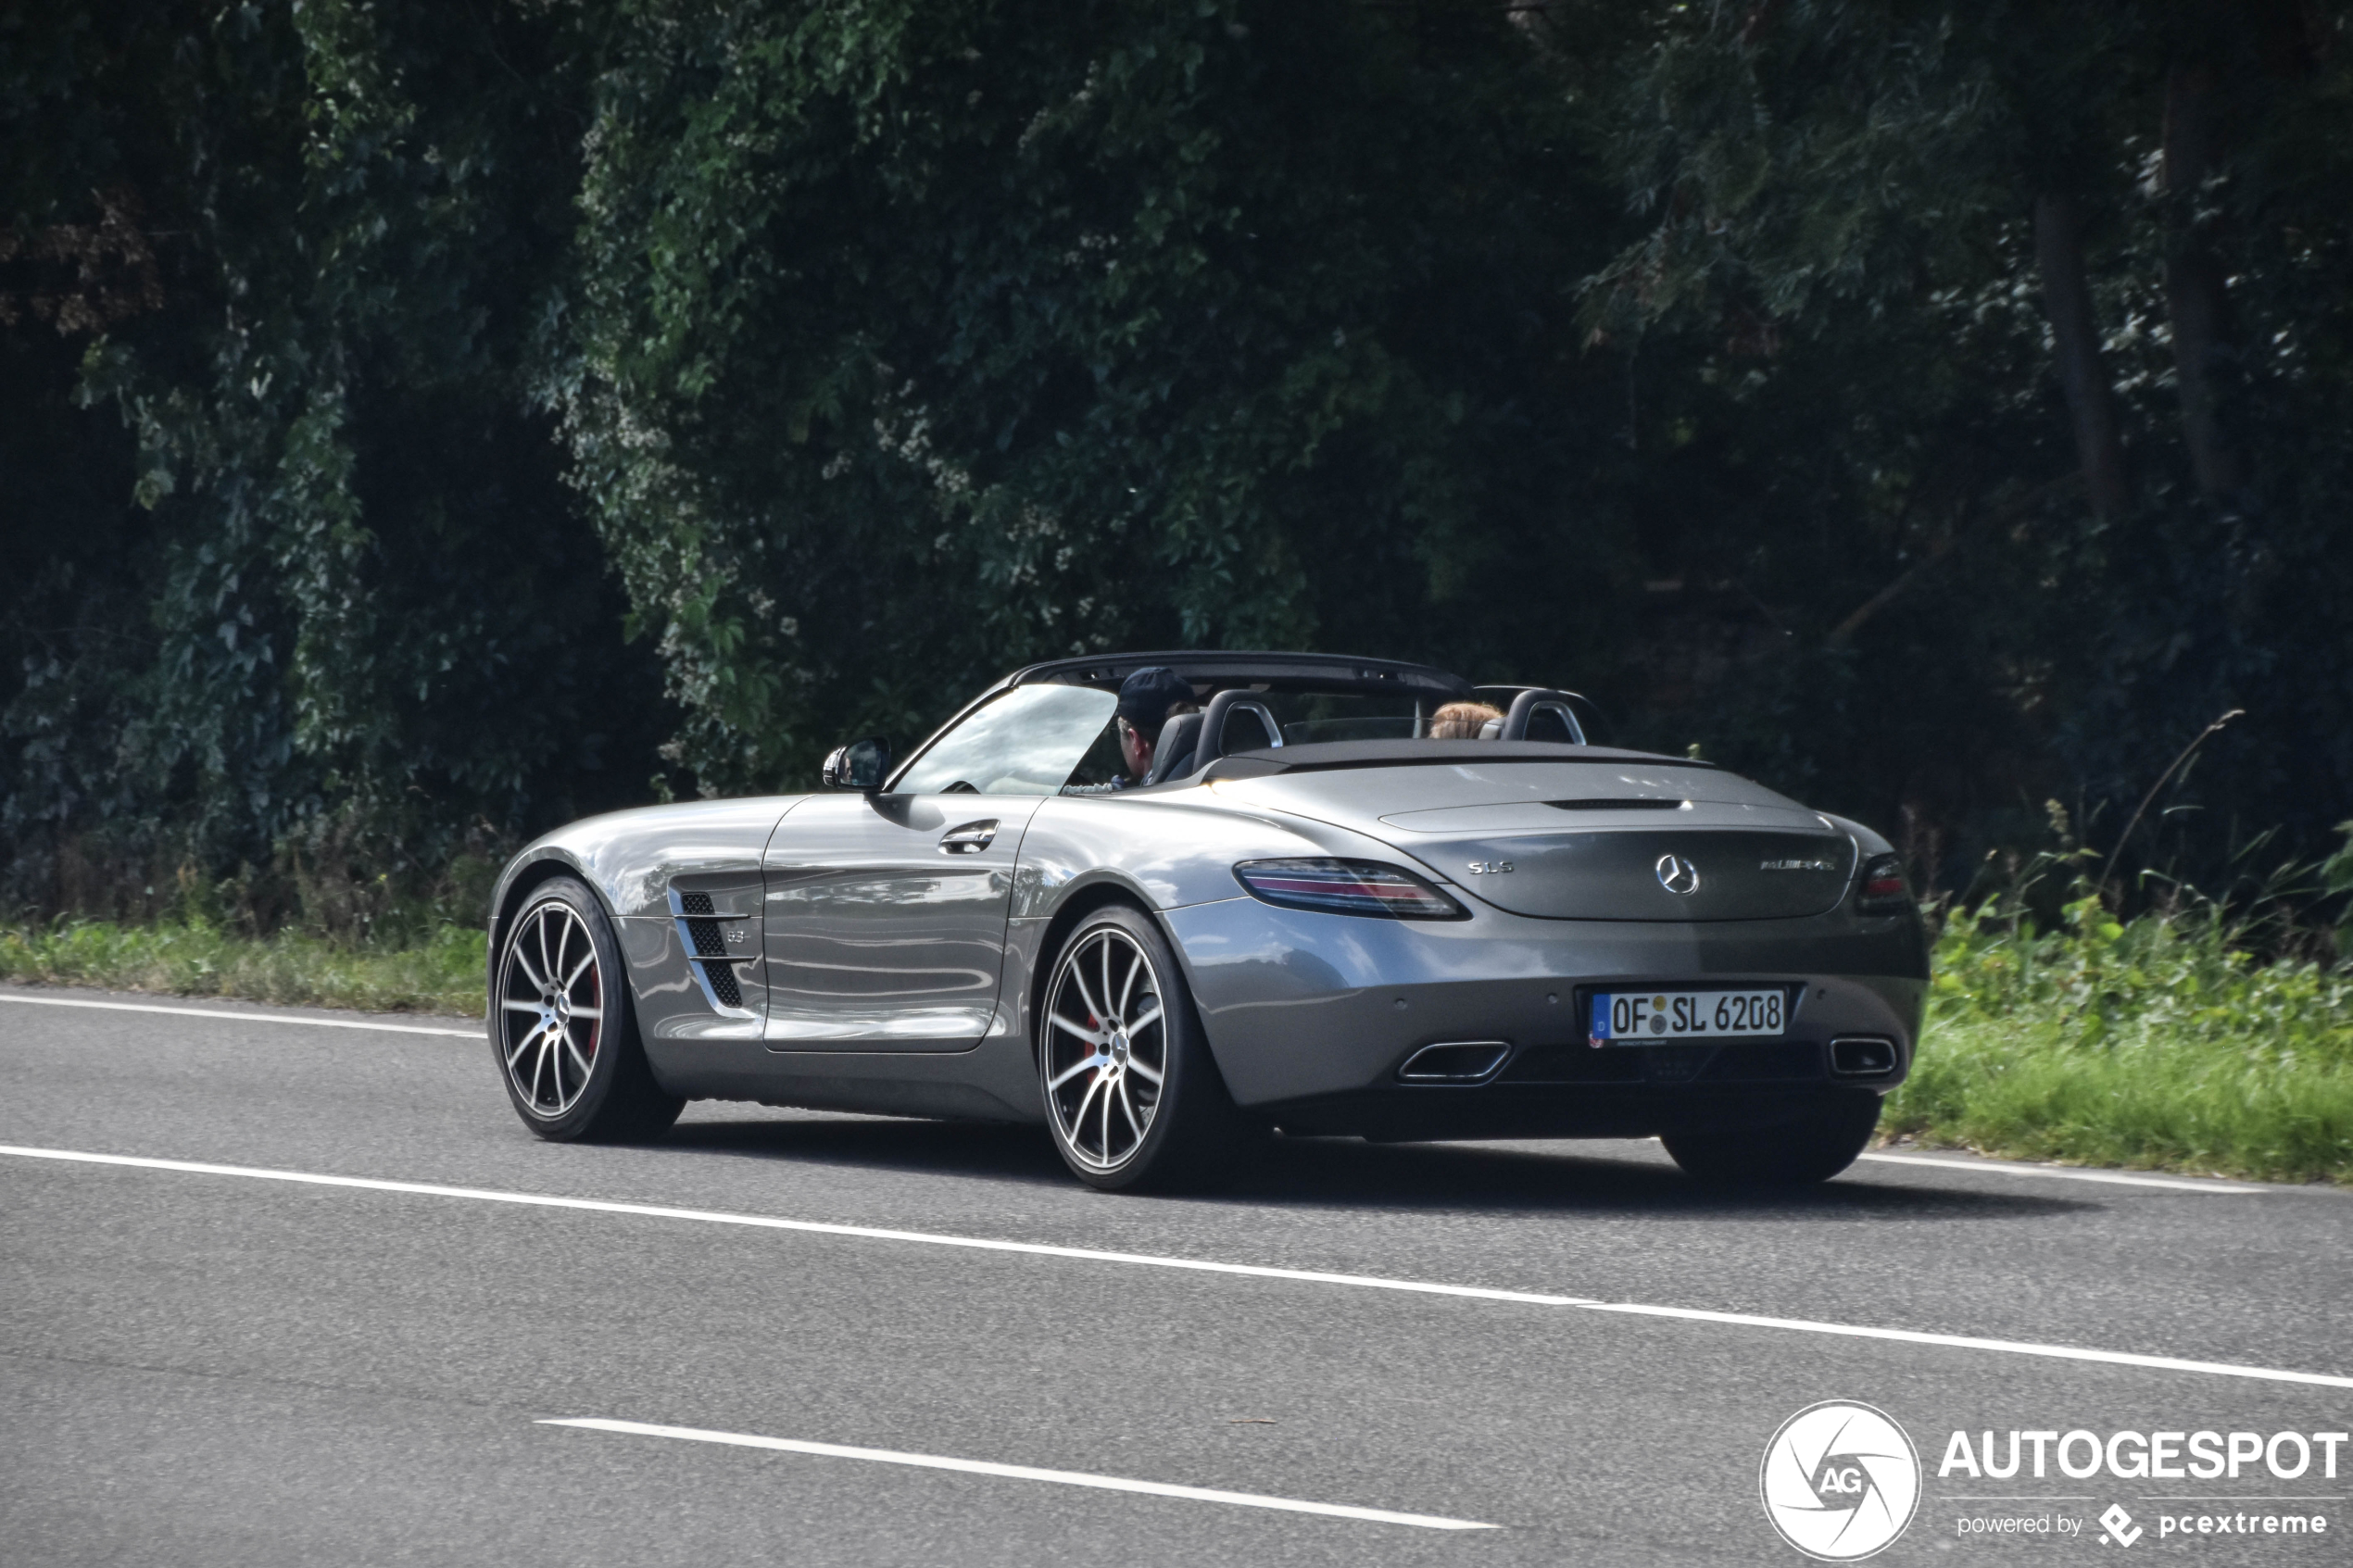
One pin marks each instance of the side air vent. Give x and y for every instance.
(1462, 1061)
(705, 932)
(723, 984)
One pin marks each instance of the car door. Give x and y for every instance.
(885, 920)
(884, 914)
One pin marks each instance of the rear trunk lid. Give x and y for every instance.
(1609, 838)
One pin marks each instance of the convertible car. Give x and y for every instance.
(1324, 921)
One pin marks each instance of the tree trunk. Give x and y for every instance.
(2194, 294)
(2067, 298)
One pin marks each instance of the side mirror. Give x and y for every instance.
(860, 765)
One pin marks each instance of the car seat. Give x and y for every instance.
(1173, 756)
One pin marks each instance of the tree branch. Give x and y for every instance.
(1844, 633)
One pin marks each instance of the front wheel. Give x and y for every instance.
(1798, 1152)
(1131, 1093)
(560, 1022)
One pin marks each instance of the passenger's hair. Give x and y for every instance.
(1462, 720)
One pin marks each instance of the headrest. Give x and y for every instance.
(1173, 754)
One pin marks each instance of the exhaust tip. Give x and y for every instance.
(1862, 1057)
(1458, 1062)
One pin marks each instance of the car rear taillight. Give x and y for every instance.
(1347, 887)
(1882, 891)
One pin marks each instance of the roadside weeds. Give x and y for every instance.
(440, 974)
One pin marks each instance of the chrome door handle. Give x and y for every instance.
(969, 839)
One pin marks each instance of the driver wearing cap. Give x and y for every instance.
(1148, 699)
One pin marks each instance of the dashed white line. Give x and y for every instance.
(2114, 1178)
(1024, 1472)
(1308, 1276)
(239, 1017)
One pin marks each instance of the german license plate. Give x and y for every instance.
(1632, 1016)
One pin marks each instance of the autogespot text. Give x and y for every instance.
(2153, 1456)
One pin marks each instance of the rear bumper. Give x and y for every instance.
(1314, 1014)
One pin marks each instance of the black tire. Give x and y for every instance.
(563, 1029)
(1117, 1129)
(1800, 1151)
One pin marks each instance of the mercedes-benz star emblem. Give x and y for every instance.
(1677, 875)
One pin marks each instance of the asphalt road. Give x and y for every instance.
(201, 1367)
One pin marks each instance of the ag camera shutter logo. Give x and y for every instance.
(1839, 1481)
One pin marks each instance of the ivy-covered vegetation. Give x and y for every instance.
(2190, 1037)
(421, 424)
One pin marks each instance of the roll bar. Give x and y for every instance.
(1525, 706)
(1212, 744)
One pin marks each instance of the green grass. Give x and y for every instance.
(442, 973)
(2158, 1044)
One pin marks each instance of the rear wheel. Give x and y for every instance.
(1799, 1152)
(561, 1025)
(1131, 1093)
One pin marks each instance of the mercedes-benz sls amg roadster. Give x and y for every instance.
(1323, 921)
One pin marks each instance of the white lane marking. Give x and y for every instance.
(1971, 1342)
(239, 1017)
(819, 1227)
(1026, 1473)
(1084, 1254)
(1997, 1168)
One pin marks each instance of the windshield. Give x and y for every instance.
(1027, 741)
(1042, 739)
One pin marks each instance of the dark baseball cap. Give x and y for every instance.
(1146, 697)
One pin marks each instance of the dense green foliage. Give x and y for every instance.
(917, 340)
(2160, 1041)
(419, 424)
(295, 580)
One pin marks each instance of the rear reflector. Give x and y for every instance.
(1347, 887)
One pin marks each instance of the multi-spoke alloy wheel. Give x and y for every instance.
(1106, 1049)
(561, 1024)
(1133, 1095)
(551, 1002)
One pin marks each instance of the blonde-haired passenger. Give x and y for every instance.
(1464, 721)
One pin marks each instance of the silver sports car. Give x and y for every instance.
(1322, 920)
